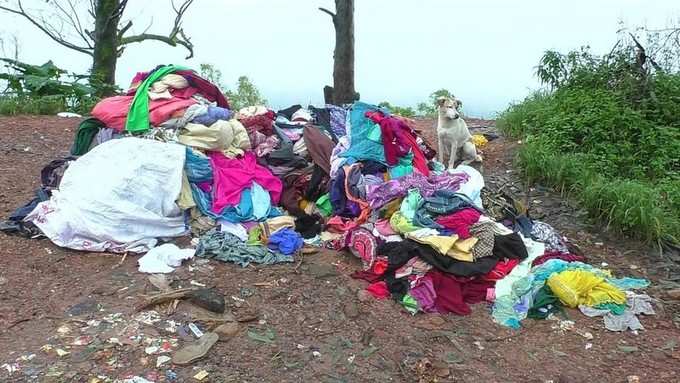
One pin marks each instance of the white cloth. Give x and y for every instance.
(234, 228)
(164, 259)
(535, 250)
(473, 188)
(118, 197)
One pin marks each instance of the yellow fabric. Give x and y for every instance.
(273, 224)
(400, 224)
(581, 287)
(479, 140)
(229, 137)
(438, 242)
(186, 199)
(161, 88)
(462, 250)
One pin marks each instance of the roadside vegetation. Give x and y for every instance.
(606, 131)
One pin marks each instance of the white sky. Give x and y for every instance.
(484, 51)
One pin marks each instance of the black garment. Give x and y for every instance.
(318, 184)
(397, 255)
(50, 175)
(284, 156)
(509, 246)
(372, 167)
(15, 223)
(308, 225)
(288, 112)
(322, 116)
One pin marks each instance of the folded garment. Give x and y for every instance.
(113, 111)
(286, 241)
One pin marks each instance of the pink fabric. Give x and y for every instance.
(234, 175)
(337, 224)
(383, 226)
(113, 111)
(460, 221)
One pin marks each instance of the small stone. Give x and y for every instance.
(85, 307)
(364, 296)
(322, 270)
(351, 310)
(633, 379)
(227, 330)
(208, 299)
(673, 294)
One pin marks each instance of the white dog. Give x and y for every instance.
(453, 134)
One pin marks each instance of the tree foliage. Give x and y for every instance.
(244, 94)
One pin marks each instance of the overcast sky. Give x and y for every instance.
(484, 51)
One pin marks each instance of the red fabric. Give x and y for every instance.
(398, 139)
(234, 175)
(113, 111)
(380, 266)
(460, 221)
(263, 123)
(337, 224)
(454, 293)
(205, 87)
(501, 269)
(557, 255)
(378, 290)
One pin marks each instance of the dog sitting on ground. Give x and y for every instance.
(453, 134)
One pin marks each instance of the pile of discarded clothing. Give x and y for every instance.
(170, 158)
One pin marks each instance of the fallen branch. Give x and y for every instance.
(158, 299)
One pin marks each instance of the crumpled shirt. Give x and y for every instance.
(227, 247)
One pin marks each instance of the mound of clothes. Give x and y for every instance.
(171, 158)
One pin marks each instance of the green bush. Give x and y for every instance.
(608, 133)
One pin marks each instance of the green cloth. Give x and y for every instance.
(545, 303)
(227, 247)
(254, 236)
(324, 205)
(410, 304)
(138, 114)
(616, 309)
(85, 134)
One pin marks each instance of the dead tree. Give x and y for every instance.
(343, 57)
(101, 34)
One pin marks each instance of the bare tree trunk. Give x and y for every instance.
(343, 57)
(103, 75)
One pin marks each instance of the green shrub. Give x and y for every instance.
(607, 132)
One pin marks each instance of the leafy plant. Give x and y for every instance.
(607, 131)
(43, 89)
(402, 111)
(246, 93)
(428, 108)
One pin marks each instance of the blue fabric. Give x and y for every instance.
(197, 167)
(361, 147)
(255, 205)
(214, 113)
(287, 241)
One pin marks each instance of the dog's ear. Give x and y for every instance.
(459, 103)
(440, 100)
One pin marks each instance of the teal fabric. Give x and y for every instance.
(361, 127)
(138, 115)
(404, 167)
(410, 204)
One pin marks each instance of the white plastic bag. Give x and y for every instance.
(118, 197)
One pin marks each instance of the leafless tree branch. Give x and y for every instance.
(46, 28)
(174, 38)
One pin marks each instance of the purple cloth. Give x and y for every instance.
(338, 119)
(214, 113)
(379, 195)
(423, 292)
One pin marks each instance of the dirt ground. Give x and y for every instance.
(68, 316)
